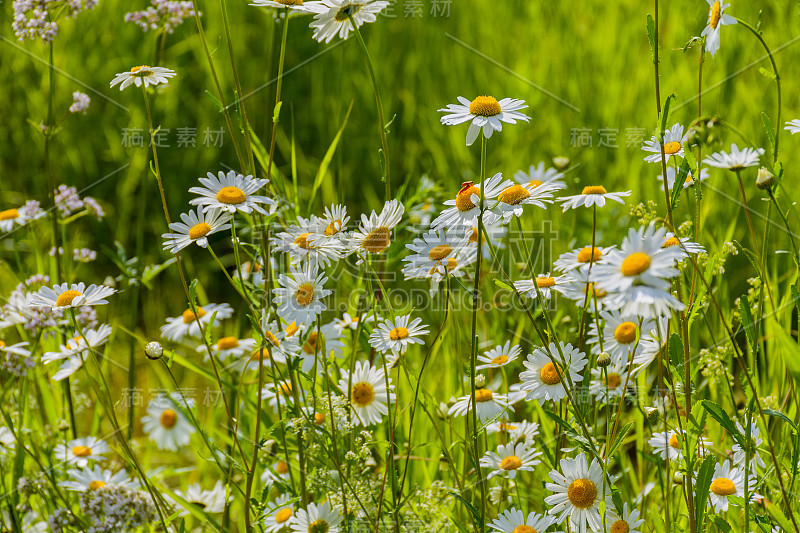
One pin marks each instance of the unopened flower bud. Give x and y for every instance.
(652, 414)
(153, 350)
(765, 179)
(480, 381)
(677, 478)
(561, 162)
(63, 425)
(441, 411)
(603, 360)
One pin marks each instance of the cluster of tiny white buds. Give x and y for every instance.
(80, 102)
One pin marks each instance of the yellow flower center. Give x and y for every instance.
(524, 529)
(344, 13)
(716, 13)
(231, 195)
(169, 418)
(198, 231)
(398, 334)
(451, 264)
(189, 316)
(285, 388)
(302, 241)
(377, 240)
(613, 380)
(512, 462)
(723, 487)
(672, 241)
(594, 189)
(438, 253)
(363, 394)
(535, 183)
(141, 71)
(549, 374)
(674, 442)
(545, 282)
(500, 360)
(473, 237)
(97, 484)
(320, 525)
(586, 255)
(464, 196)
(625, 333)
(582, 493)
(304, 294)
(282, 468)
(290, 3)
(260, 355)
(8, 214)
(319, 418)
(598, 293)
(272, 338)
(65, 298)
(226, 343)
(284, 514)
(81, 451)
(333, 227)
(620, 526)
(483, 395)
(672, 148)
(310, 347)
(514, 195)
(635, 264)
(485, 106)
(291, 329)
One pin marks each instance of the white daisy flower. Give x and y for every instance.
(165, 424)
(716, 19)
(96, 478)
(73, 351)
(195, 228)
(683, 244)
(298, 6)
(435, 253)
(16, 349)
(576, 286)
(277, 472)
(484, 113)
(578, 493)
(16, 310)
(523, 432)
(374, 233)
(10, 217)
(334, 222)
(227, 347)
(726, 481)
(66, 295)
(302, 244)
(592, 195)
(674, 139)
(620, 333)
(629, 522)
(278, 393)
(499, 356)
(351, 321)
(279, 514)
(299, 297)
(143, 74)
(581, 258)
(545, 283)
(231, 192)
(611, 385)
(514, 521)
(79, 452)
(316, 518)
(466, 207)
(541, 379)
(669, 445)
(511, 200)
(736, 160)
(538, 176)
(209, 501)
(509, 459)
(368, 394)
(793, 126)
(333, 17)
(189, 323)
(278, 345)
(739, 455)
(312, 349)
(687, 182)
(397, 334)
(650, 345)
(488, 405)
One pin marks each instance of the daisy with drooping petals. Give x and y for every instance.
(466, 207)
(592, 195)
(298, 6)
(515, 521)
(279, 514)
(542, 380)
(228, 347)
(165, 424)
(716, 19)
(299, 297)
(510, 459)
(73, 350)
(190, 321)
(143, 75)
(368, 393)
(316, 519)
(302, 244)
(736, 160)
(396, 335)
(793, 126)
(277, 473)
(620, 333)
(79, 452)
(725, 482)
(511, 200)
(434, 253)
(739, 455)
(195, 228)
(231, 192)
(609, 384)
(319, 345)
(334, 17)
(687, 182)
(280, 393)
(351, 321)
(581, 258)
(577, 287)
(484, 113)
(209, 501)
(578, 493)
(669, 445)
(66, 295)
(628, 522)
(499, 356)
(488, 405)
(17, 349)
(683, 244)
(674, 139)
(96, 478)
(545, 283)
(538, 176)
(374, 234)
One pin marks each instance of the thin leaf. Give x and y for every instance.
(702, 487)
